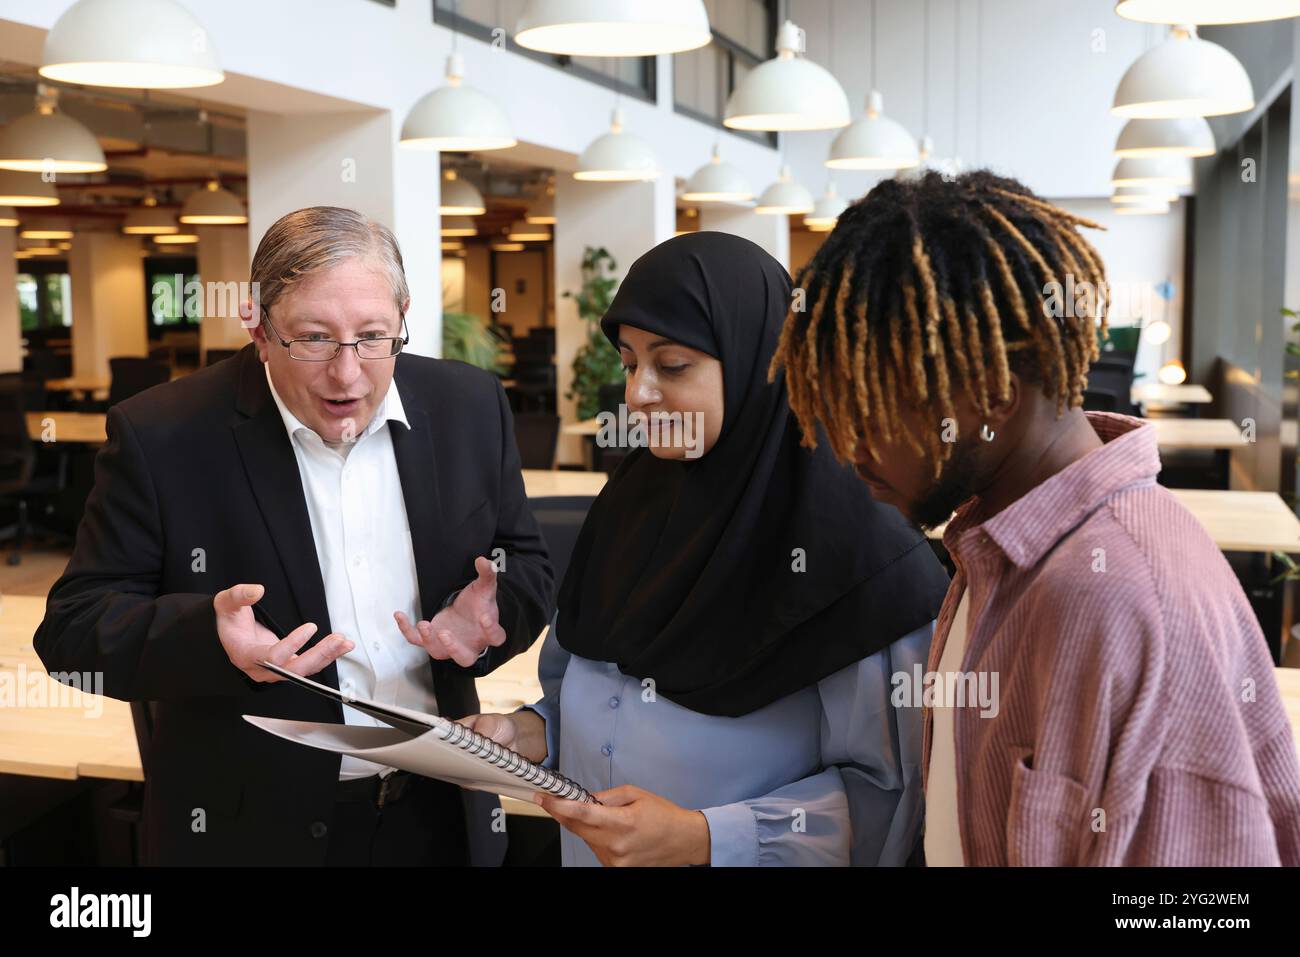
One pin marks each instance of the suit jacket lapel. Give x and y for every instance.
(272, 471)
(413, 450)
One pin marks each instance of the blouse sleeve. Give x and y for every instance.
(865, 806)
(552, 662)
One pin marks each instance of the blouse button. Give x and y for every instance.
(606, 750)
(613, 702)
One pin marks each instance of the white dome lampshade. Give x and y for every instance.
(785, 197)
(460, 198)
(8, 217)
(1207, 11)
(613, 27)
(213, 206)
(1184, 76)
(1168, 172)
(522, 231)
(788, 92)
(150, 220)
(49, 141)
(26, 189)
(874, 141)
(1142, 195)
(453, 226)
(826, 211)
(717, 182)
(617, 157)
(1178, 136)
(48, 230)
(1142, 209)
(1172, 373)
(140, 44)
(456, 118)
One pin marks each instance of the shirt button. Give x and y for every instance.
(613, 702)
(358, 561)
(318, 829)
(606, 750)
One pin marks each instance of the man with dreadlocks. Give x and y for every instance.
(1135, 718)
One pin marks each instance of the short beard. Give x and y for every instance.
(956, 484)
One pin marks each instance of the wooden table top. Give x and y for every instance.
(78, 384)
(1198, 434)
(541, 483)
(1237, 521)
(585, 427)
(1157, 392)
(88, 736)
(88, 427)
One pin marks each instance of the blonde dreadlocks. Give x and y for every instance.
(930, 284)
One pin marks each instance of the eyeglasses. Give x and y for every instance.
(312, 349)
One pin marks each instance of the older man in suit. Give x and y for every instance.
(370, 501)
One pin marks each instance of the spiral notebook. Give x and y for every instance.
(422, 744)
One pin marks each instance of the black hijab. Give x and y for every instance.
(684, 571)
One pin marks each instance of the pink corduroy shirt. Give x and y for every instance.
(1137, 719)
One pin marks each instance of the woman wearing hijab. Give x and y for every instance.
(720, 662)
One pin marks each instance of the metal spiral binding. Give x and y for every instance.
(476, 744)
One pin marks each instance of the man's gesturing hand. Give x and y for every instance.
(465, 627)
(246, 642)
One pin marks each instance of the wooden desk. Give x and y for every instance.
(1157, 392)
(89, 427)
(1237, 521)
(542, 483)
(587, 427)
(87, 737)
(1217, 434)
(78, 384)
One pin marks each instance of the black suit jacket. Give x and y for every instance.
(198, 489)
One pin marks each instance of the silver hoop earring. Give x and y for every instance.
(986, 433)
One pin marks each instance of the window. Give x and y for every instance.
(488, 20)
(44, 296)
(744, 35)
(166, 279)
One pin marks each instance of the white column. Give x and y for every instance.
(109, 309)
(11, 335)
(627, 219)
(353, 160)
(223, 258)
(770, 232)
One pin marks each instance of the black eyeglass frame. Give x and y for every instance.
(399, 343)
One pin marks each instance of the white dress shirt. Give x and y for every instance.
(367, 563)
(942, 832)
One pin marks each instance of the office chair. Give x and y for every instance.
(560, 518)
(536, 434)
(20, 481)
(131, 375)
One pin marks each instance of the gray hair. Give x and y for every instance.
(306, 241)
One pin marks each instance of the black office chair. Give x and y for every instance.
(536, 434)
(213, 356)
(131, 375)
(21, 483)
(560, 518)
(1099, 400)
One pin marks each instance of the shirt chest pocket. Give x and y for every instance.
(1048, 819)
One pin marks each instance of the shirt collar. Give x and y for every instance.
(391, 409)
(1027, 528)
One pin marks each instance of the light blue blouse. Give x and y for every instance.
(829, 775)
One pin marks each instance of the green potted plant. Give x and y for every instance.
(597, 363)
(468, 338)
